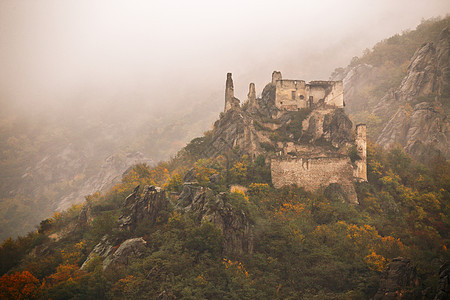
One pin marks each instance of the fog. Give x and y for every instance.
(154, 55)
(89, 87)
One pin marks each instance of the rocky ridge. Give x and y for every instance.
(415, 114)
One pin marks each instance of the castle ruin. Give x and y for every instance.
(318, 154)
(294, 95)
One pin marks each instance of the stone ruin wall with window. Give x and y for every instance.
(294, 95)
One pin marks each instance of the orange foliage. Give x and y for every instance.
(20, 285)
(375, 262)
(288, 209)
(64, 272)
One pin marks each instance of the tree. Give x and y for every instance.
(20, 285)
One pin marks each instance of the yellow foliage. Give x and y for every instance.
(258, 188)
(75, 254)
(237, 189)
(236, 267)
(290, 209)
(375, 262)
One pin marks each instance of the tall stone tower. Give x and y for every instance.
(360, 173)
(251, 95)
(229, 93)
(276, 75)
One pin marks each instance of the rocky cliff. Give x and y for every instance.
(421, 124)
(413, 114)
(234, 223)
(399, 281)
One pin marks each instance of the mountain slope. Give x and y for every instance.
(220, 230)
(404, 99)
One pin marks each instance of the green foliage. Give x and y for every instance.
(306, 245)
(353, 154)
(295, 125)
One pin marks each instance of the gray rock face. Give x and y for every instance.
(116, 257)
(234, 223)
(443, 290)
(414, 114)
(127, 251)
(234, 128)
(420, 78)
(84, 217)
(327, 125)
(337, 128)
(103, 249)
(152, 205)
(422, 131)
(398, 281)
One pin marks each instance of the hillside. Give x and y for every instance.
(210, 223)
(51, 161)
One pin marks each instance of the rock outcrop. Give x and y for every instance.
(424, 132)
(422, 127)
(415, 114)
(103, 249)
(443, 290)
(150, 207)
(356, 79)
(84, 217)
(116, 255)
(234, 223)
(399, 281)
(125, 253)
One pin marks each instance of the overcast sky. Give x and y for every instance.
(54, 51)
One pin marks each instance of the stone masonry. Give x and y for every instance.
(318, 154)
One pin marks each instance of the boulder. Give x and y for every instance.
(152, 205)
(127, 251)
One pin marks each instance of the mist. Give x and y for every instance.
(157, 55)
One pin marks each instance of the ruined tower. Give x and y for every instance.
(229, 93)
(251, 95)
(360, 173)
(276, 75)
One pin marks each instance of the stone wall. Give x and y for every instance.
(313, 173)
(296, 94)
(360, 173)
(291, 94)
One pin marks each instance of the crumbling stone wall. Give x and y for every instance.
(361, 146)
(314, 172)
(230, 100)
(293, 95)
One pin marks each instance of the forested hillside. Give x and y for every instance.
(52, 160)
(304, 245)
(209, 224)
(407, 75)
